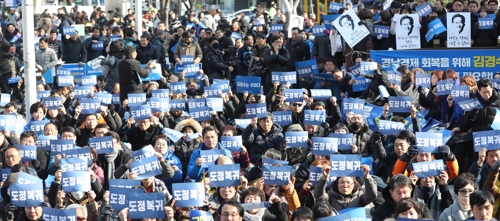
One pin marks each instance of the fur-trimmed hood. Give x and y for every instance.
(188, 122)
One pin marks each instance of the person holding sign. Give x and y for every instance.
(427, 100)
(464, 185)
(486, 162)
(186, 47)
(253, 135)
(130, 73)
(116, 54)
(184, 148)
(38, 111)
(346, 190)
(161, 147)
(408, 87)
(484, 31)
(253, 196)
(95, 44)
(74, 48)
(433, 189)
(277, 59)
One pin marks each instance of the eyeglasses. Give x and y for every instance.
(458, 5)
(234, 215)
(346, 183)
(465, 192)
(296, 104)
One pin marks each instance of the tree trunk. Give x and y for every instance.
(190, 6)
(290, 7)
(165, 8)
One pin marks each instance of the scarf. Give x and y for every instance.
(110, 159)
(254, 217)
(428, 192)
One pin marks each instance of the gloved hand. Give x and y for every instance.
(412, 151)
(495, 166)
(376, 136)
(9, 211)
(447, 154)
(379, 36)
(419, 89)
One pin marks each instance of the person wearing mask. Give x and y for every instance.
(463, 186)
(277, 59)
(95, 44)
(130, 73)
(214, 61)
(298, 49)
(146, 51)
(45, 56)
(188, 48)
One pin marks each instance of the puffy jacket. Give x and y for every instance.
(455, 213)
(209, 22)
(148, 53)
(276, 62)
(129, 71)
(57, 47)
(481, 119)
(183, 150)
(259, 141)
(387, 209)
(124, 154)
(299, 51)
(322, 47)
(93, 53)
(195, 172)
(361, 139)
(4, 62)
(213, 61)
(159, 43)
(139, 138)
(188, 49)
(46, 58)
(484, 37)
(129, 41)
(74, 51)
(260, 52)
(358, 198)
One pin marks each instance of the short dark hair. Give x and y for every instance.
(485, 82)
(146, 36)
(399, 180)
(49, 123)
(114, 135)
(296, 29)
(463, 180)
(129, 32)
(10, 104)
(395, 4)
(44, 39)
(274, 38)
(302, 213)
(252, 191)
(261, 36)
(99, 126)
(213, 38)
(247, 36)
(68, 129)
(208, 129)
(406, 204)
(473, 2)
(269, 115)
(28, 134)
(322, 209)
(129, 50)
(480, 197)
(340, 126)
(34, 107)
(186, 34)
(236, 204)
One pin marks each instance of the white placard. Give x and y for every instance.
(407, 32)
(458, 26)
(347, 25)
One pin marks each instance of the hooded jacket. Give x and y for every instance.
(259, 141)
(182, 148)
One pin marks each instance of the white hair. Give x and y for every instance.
(78, 206)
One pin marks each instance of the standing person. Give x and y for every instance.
(277, 59)
(5, 69)
(46, 57)
(298, 49)
(130, 73)
(116, 54)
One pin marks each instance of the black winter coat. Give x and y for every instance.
(481, 119)
(213, 60)
(387, 209)
(139, 138)
(322, 47)
(129, 72)
(74, 51)
(484, 37)
(183, 150)
(148, 53)
(276, 62)
(299, 51)
(429, 103)
(362, 139)
(259, 141)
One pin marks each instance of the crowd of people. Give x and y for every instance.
(388, 187)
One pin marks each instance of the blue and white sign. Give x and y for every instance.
(188, 194)
(306, 68)
(89, 80)
(355, 70)
(118, 196)
(187, 59)
(196, 103)
(224, 175)
(381, 30)
(178, 87)
(276, 175)
(146, 205)
(361, 84)
(160, 93)
(69, 30)
(65, 81)
(216, 104)
(434, 28)
(37, 126)
(485, 23)
(423, 10)
(60, 146)
(428, 142)
(4, 99)
(115, 98)
(353, 105)
(318, 30)
(146, 168)
(233, 143)
(210, 156)
(8, 122)
(25, 195)
(43, 142)
(242, 123)
(40, 95)
(276, 27)
(200, 215)
(344, 141)
(98, 46)
(60, 72)
(258, 22)
(105, 98)
(224, 84)
(140, 112)
(74, 164)
(296, 139)
(324, 146)
(423, 80)
(82, 91)
(321, 94)
(314, 117)
(444, 87)
(53, 103)
(390, 127)
(428, 169)
(75, 181)
(293, 95)
(213, 91)
(460, 93)
(256, 110)
(5, 173)
(236, 35)
(124, 183)
(334, 7)
(284, 77)
(158, 104)
(495, 125)
(28, 153)
(367, 68)
(191, 70)
(248, 84)
(90, 106)
(400, 104)
(102, 144)
(470, 104)
(328, 20)
(315, 174)
(200, 114)
(489, 139)
(59, 214)
(136, 99)
(177, 105)
(282, 118)
(272, 162)
(394, 77)
(80, 153)
(146, 152)
(25, 178)
(345, 165)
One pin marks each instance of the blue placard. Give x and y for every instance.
(428, 142)
(14, 80)
(306, 68)
(252, 206)
(361, 84)
(394, 77)
(400, 104)
(158, 104)
(8, 122)
(191, 70)
(224, 84)
(328, 20)
(160, 93)
(146, 205)
(369, 162)
(136, 99)
(114, 38)
(37, 126)
(60, 146)
(258, 22)
(172, 49)
(224, 175)
(187, 59)
(236, 35)
(102, 144)
(272, 162)
(381, 30)
(282, 118)
(82, 91)
(324, 146)
(146, 168)
(60, 72)
(210, 156)
(99, 46)
(76, 71)
(470, 104)
(284, 77)
(356, 213)
(40, 95)
(74, 164)
(115, 98)
(293, 95)
(58, 214)
(140, 112)
(346, 165)
(423, 80)
(26, 178)
(489, 139)
(118, 196)
(90, 106)
(5, 173)
(43, 142)
(344, 141)
(353, 105)
(28, 153)
(318, 30)
(276, 175)
(105, 98)
(485, 23)
(315, 174)
(423, 10)
(256, 110)
(200, 215)
(233, 143)
(428, 169)
(355, 70)
(390, 127)
(178, 87)
(25, 195)
(200, 114)
(75, 181)
(216, 104)
(334, 7)
(367, 68)
(4, 99)
(153, 76)
(321, 94)
(196, 103)
(79, 153)
(69, 30)
(124, 183)
(177, 105)
(242, 123)
(296, 139)
(53, 103)
(213, 90)
(189, 25)
(460, 93)
(276, 27)
(314, 117)
(444, 87)
(188, 194)
(248, 84)
(145, 152)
